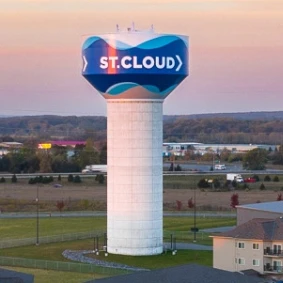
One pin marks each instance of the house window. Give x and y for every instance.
(241, 245)
(255, 262)
(241, 261)
(255, 246)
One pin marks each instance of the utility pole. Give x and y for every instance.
(37, 218)
(195, 229)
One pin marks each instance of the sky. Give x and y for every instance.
(235, 47)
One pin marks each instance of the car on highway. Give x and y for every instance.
(249, 180)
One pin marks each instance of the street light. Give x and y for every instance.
(37, 219)
(195, 229)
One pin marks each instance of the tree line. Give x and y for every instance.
(201, 128)
(30, 159)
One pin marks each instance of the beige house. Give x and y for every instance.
(256, 244)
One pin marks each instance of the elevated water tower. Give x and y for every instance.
(135, 71)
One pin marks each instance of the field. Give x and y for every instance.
(89, 195)
(26, 228)
(22, 228)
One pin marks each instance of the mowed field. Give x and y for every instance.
(175, 188)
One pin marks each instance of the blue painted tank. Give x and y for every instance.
(135, 65)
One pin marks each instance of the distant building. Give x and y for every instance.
(67, 143)
(6, 147)
(179, 149)
(270, 210)
(256, 244)
(190, 273)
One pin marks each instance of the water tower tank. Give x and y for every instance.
(135, 71)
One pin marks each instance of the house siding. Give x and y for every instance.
(226, 250)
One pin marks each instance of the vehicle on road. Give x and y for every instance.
(249, 180)
(220, 167)
(96, 168)
(235, 177)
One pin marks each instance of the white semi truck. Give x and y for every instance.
(235, 177)
(95, 169)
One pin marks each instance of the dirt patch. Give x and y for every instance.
(78, 193)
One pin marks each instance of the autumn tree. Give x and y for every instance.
(45, 162)
(234, 200)
(191, 204)
(255, 159)
(60, 205)
(279, 197)
(89, 155)
(179, 204)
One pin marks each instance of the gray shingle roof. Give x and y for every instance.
(258, 229)
(9, 276)
(274, 206)
(190, 273)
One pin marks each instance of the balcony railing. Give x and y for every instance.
(273, 269)
(273, 252)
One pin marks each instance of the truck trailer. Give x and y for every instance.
(235, 177)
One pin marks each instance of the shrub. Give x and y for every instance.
(59, 178)
(14, 179)
(216, 183)
(40, 179)
(267, 178)
(191, 203)
(2, 180)
(32, 181)
(70, 178)
(100, 178)
(279, 197)
(203, 183)
(77, 179)
(179, 204)
(234, 184)
(256, 177)
(178, 168)
(276, 179)
(234, 200)
(262, 187)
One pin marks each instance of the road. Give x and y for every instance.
(165, 173)
(104, 213)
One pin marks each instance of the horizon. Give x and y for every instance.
(196, 114)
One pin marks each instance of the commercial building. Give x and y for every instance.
(269, 210)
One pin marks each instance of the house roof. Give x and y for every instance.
(257, 229)
(190, 273)
(15, 277)
(274, 206)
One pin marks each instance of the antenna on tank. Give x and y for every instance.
(117, 27)
(152, 28)
(133, 26)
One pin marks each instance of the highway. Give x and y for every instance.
(165, 173)
(104, 213)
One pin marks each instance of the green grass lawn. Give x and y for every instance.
(51, 251)
(185, 223)
(161, 261)
(47, 276)
(26, 228)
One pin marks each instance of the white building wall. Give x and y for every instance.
(226, 254)
(134, 177)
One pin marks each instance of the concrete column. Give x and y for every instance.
(134, 177)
